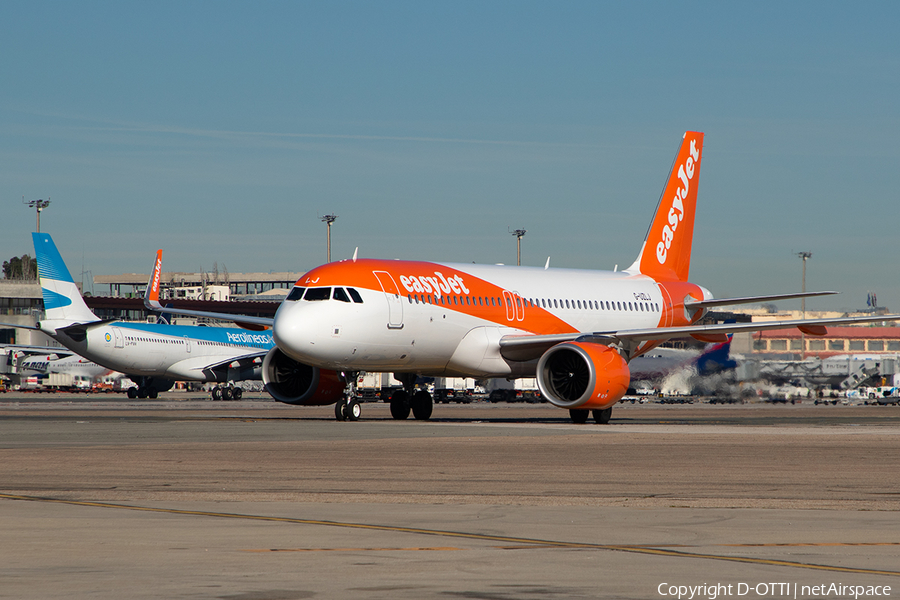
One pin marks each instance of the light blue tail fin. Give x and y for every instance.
(62, 300)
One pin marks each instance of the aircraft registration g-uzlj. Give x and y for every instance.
(575, 330)
(153, 355)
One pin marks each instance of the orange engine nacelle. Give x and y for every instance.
(583, 375)
(292, 382)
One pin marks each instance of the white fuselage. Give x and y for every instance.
(457, 329)
(183, 353)
(67, 365)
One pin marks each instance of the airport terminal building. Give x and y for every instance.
(254, 294)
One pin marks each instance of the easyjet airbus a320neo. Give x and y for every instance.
(575, 330)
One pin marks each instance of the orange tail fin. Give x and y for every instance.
(666, 253)
(151, 296)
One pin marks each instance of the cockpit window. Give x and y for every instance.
(340, 294)
(296, 293)
(355, 295)
(313, 294)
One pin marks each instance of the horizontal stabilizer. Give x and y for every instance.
(245, 321)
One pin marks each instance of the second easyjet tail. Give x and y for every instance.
(666, 253)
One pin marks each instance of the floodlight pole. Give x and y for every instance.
(519, 233)
(804, 256)
(328, 220)
(39, 205)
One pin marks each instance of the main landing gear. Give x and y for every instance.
(580, 415)
(226, 392)
(148, 387)
(142, 392)
(420, 403)
(408, 399)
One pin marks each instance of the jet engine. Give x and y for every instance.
(583, 375)
(292, 382)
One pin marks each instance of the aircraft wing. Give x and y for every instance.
(247, 322)
(58, 351)
(690, 303)
(18, 326)
(151, 301)
(191, 368)
(530, 347)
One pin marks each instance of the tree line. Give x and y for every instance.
(20, 267)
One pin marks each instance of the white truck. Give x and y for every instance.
(453, 389)
(516, 390)
(371, 387)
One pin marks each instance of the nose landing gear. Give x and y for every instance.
(345, 410)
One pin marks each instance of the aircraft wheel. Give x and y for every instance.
(340, 410)
(142, 393)
(353, 411)
(579, 415)
(153, 393)
(236, 393)
(422, 405)
(217, 393)
(400, 405)
(132, 392)
(226, 393)
(602, 416)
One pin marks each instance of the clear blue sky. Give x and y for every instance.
(220, 131)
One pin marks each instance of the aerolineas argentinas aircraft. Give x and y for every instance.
(575, 329)
(152, 355)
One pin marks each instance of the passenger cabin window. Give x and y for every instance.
(296, 293)
(314, 294)
(355, 295)
(340, 294)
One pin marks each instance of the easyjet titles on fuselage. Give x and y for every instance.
(434, 285)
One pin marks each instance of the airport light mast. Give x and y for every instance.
(39, 205)
(804, 256)
(328, 220)
(519, 233)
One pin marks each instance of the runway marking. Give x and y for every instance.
(803, 544)
(525, 542)
(439, 549)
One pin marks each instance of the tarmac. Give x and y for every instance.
(182, 497)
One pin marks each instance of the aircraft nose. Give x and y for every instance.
(290, 329)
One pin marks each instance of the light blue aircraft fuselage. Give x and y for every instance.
(153, 355)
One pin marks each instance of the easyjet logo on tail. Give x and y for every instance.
(676, 210)
(157, 273)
